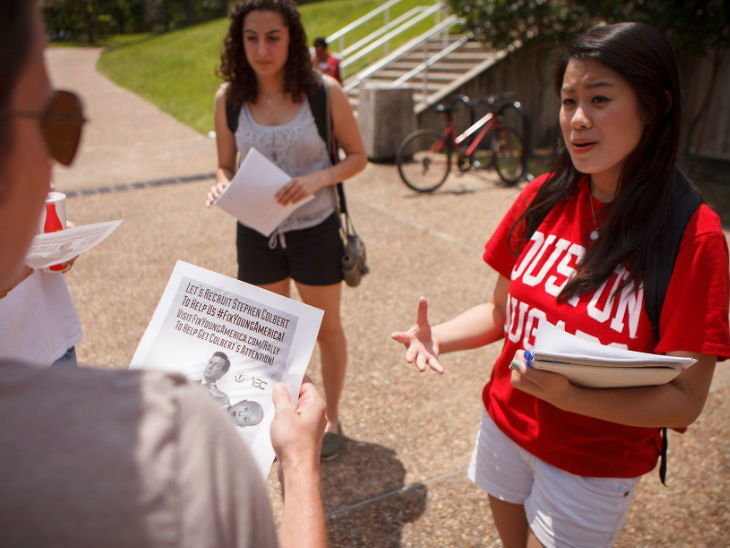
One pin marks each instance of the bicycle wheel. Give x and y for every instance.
(509, 160)
(424, 160)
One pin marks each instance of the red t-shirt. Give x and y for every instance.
(331, 66)
(694, 318)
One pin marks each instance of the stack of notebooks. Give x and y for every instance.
(594, 365)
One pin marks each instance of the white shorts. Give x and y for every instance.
(563, 510)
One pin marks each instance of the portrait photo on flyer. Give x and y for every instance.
(237, 341)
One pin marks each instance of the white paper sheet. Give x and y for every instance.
(266, 337)
(593, 365)
(554, 342)
(59, 247)
(250, 196)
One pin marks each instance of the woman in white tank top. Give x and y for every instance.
(268, 73)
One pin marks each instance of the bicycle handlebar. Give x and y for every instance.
(447, 108)
(497, 98)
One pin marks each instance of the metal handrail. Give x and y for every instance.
(355, 80)
(380, 31)
(340, 34)
(432, 60)
(379, 42)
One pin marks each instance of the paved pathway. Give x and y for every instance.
(400, 481)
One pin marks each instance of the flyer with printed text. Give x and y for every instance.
(237, 340)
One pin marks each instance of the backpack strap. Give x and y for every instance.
(685, 203)
(232, 114)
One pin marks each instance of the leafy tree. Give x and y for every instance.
(694, 27)
(88, 19)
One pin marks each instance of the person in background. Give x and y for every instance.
(95, 457)
(268, 76)
(38, 320)
(324, 61)
(559, 462)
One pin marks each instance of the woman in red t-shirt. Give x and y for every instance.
(560, 462)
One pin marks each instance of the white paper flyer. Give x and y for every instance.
(237, 340)
(61, 246)
(250, 196)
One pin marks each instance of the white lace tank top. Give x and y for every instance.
(296, 148)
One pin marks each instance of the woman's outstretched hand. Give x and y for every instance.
(421, 346)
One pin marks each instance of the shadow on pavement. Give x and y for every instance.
(366, 499)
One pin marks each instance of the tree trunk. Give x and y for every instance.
(90, 21)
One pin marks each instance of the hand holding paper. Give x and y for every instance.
(297, 429)
(59, 247)
(251, 196)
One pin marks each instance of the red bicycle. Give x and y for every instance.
(425, 156)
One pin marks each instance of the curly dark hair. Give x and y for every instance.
(299, 77)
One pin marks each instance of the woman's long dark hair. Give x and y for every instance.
(643, 204)
(299, 78)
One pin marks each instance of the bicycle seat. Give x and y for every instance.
(443, 109)
(504, 96)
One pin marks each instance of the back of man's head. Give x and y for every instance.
(16, 39)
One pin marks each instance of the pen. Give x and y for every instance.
(514, 364)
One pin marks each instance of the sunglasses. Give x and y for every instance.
(61, 125)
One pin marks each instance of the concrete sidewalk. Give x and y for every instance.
(401, 479)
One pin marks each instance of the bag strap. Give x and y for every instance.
(319, 104)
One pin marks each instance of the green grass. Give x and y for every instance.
(176, 71)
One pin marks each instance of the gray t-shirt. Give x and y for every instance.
(123, 458)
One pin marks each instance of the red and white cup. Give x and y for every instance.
(53, 218)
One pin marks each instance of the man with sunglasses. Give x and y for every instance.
(92, 457)
(38, 320)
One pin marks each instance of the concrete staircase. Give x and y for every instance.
(461, 60)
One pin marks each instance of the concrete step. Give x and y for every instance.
(436, 76)
(458, 56)
(451, 66)
(432, 85)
